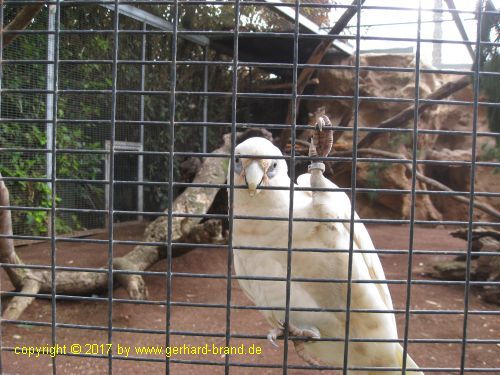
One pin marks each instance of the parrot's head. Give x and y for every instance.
(258, 163)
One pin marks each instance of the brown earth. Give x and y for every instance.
(212, 320)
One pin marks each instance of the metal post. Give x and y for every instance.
(460, 27)
(437, 48)
(140, 169)
(111, 177)
(205, 99)
(54, 24)
(49, 113)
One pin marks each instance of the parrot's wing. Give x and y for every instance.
(362, 240)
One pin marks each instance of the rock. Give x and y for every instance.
(453, 147)
(482, 267)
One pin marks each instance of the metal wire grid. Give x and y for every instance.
(234, 95)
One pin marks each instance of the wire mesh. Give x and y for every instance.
(108, 108)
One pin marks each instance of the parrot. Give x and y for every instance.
(259, 166)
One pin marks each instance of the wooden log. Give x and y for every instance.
(482, 267)
(194, 200)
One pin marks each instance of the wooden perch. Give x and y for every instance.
(22, 19)
(195, 200)
(286, 85)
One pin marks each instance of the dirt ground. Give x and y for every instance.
(212, 320)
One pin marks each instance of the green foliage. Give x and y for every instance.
(98, 76)
(32, 135)
(33, 164)
(490, 153)
(398, 139)
(373, 178)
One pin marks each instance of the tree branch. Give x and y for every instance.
(401, 119)
(18, 304)
(20, 22)
(485, 207)
(7, 251)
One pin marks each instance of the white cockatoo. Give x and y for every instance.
(256, 168)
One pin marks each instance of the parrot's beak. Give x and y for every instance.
(253, 177)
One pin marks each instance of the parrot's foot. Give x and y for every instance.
(305, 335)
(300, 345)
(300, 348)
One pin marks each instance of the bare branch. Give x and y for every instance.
(7, 251)
(286, 85)
(402, 118)
(485, 207)
(22, 19)
(19, 303)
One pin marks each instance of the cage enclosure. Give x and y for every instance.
(134, 238)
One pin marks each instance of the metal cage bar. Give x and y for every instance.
(234, 95)
(476, 68)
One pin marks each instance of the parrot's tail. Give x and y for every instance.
(410, 363)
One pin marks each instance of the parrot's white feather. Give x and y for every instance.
(318, 264)
(362, 238)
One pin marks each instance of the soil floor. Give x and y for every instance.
(191, 324)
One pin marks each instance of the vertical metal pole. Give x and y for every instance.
(49, 112)
(205, 100)
(54, 89)
(234, 101)
(293, 134)
(173, 86)
(413, 191)
(437, 17)
(140, 168)
(476, 69)
(106, 174)
(355, 125)
(111, 178)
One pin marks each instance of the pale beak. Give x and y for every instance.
(253, 177)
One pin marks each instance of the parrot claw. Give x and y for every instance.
(273, 335)
(320, 124)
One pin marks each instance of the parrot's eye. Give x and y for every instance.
(238, 167)
(271, 172)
